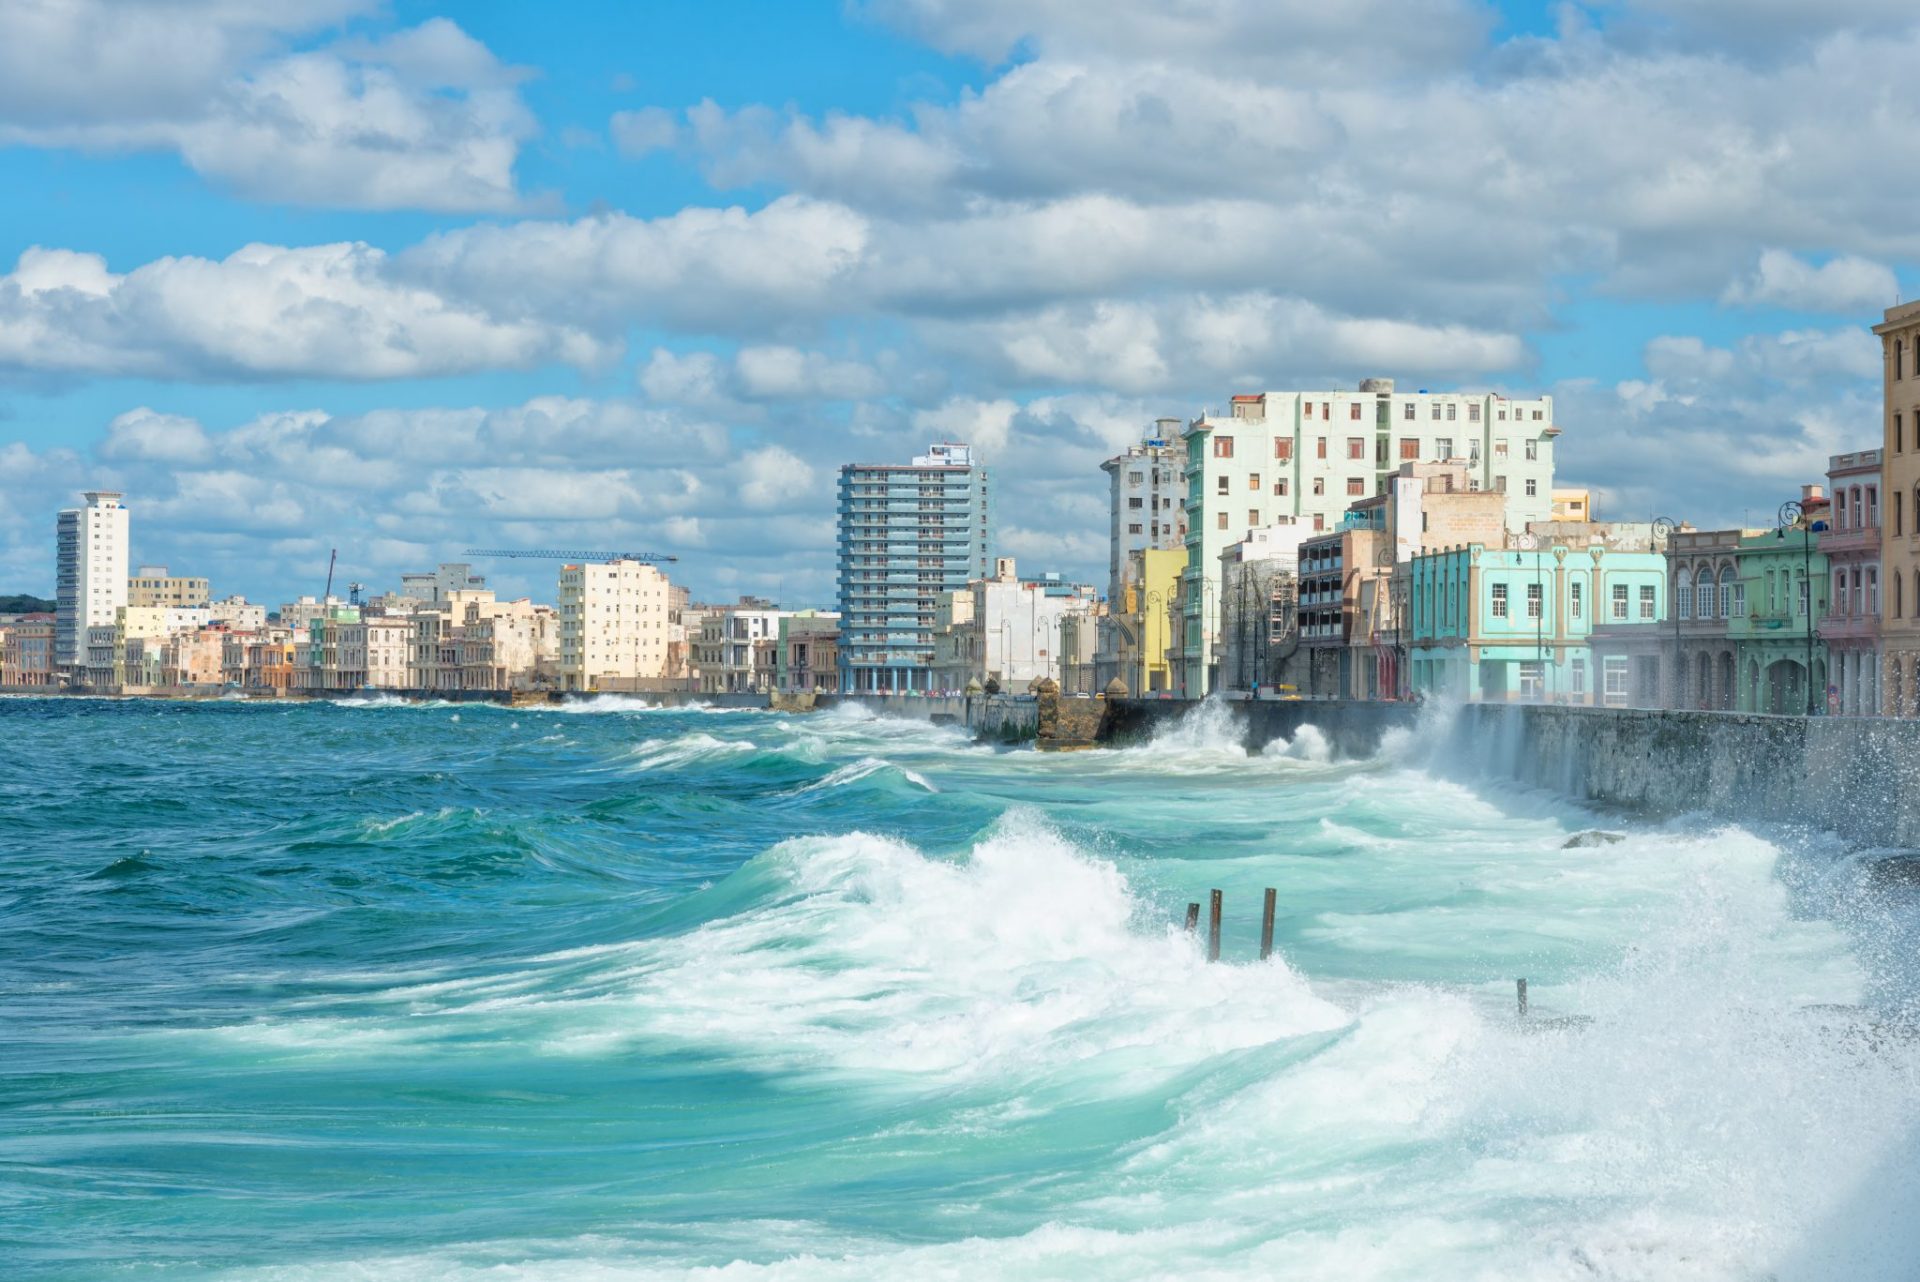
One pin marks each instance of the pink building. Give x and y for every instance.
(1851, 542)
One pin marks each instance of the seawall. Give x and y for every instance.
(1855, 776)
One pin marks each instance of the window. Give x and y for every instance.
(1319, 485)
(1533, 450)
(1613, 677)
(1685, 595)
(1409, 414)
(1736, 599)
(1409, 449)
(1134, 478)
(1280, 487)
(1896, 513)
(1253, 518)
(1576, 601)
(1253, 480)
(1533, 601)
(1220, 484)
(1356, 486)
(1619, 603)
(1873, 505)
(1443, 447)
(1646, 603)
(1500, 449)
(1897, 445)
(1220, 521)
(1896, 596)
(1473, 413)
(1134, 528)
(1533, 488)
(1899, 359)
(1499, 600)
(1356, 447)
(1223, 447)
(1355, 414)
(1500, 484)
(1800, 586)
(1283, 448)
(1577, 677)
(1133, 503)
(1873, 590)
(1537, 416)
(1320, 447)
(1319, 521)
(1436, 411)
(1707, 597)
(1450, 412)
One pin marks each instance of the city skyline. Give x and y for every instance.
(409, 280)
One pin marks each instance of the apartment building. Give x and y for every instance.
(615, 625)
(1306, 456)
(26, 651)
(907, 533)
(92, 573)
(1008, 630)
(1851, 544)
(808, 653)
(152, 585)
(1900, 533)
(1147, 500)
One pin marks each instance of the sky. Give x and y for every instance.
(401, 278)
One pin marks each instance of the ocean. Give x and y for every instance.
(468, 993)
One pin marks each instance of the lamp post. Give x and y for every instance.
(1663, 530)
(1790, 514)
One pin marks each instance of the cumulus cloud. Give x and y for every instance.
(1842, 284)
(770, 476)
(333, 311)
(425, 118)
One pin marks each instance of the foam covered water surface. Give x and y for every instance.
(610, 992)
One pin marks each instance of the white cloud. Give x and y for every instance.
(772, 476)
(1841, 284)
(985, 425)
(326, 311)
(650, 129)
(425, 118)
(160, 438)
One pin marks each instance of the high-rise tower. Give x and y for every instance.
(92, 581)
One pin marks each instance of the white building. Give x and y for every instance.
(239, 614)
(615, 625)
(92, 570)
(1009, 630)
(1147, 498)
(1306, 456)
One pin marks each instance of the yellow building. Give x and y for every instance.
(1139, 627)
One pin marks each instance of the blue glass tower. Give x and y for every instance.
(907, 534)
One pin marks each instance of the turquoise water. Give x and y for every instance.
(607, 993)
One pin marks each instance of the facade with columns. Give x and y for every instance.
(1850, 630)
(1899, 336)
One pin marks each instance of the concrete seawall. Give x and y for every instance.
(1858, 777)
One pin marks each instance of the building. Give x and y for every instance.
(92, 573)
(1306, 456)
(1899, 551)
(1007, 630)
(509, 645)
(1136, 635)
(437, 586)
(808, 653)
(1259, 613)
(1147, 500)
(1851, 543)
(1079, 647)
(1335, 634)
(26, 651)
(615, 625)
(1515, 622)
(237, 613)
(907, 534)
(152, 585)
(1572, 504)
(733, 658)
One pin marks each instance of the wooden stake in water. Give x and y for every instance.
(1193, 918)
(1266, 926)
(1520, 987)
(1213, 928)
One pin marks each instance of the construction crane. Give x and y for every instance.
(545, 554)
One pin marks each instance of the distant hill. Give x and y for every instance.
(21, 603)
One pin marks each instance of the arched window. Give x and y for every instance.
(1873, 590)
(1858, 514)
(1683, 593)
(1733, 597)
(1859, 593)
(1897, 581)
(1839, 509)
(1707, 604)
(1839, 591)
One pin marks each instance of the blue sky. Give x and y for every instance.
(643, 275)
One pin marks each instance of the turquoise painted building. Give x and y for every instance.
(1512, 624)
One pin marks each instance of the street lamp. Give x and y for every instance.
(1663, 530)
(1790, 514)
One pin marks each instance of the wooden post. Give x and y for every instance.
(1266, 926)
(1193, 918)
(1213, 928)
(1520, 987)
